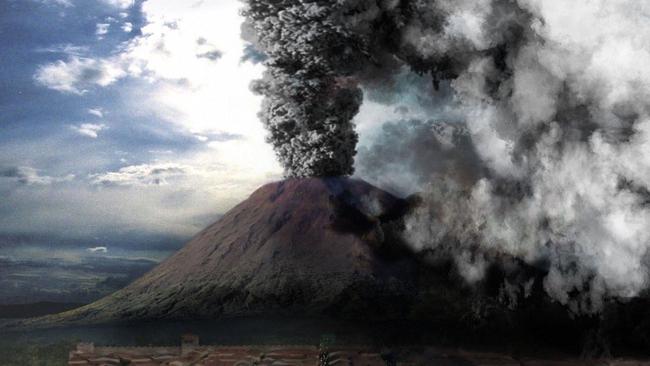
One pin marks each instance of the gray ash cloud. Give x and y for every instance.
(408, 154)
(553, 101)
(310, 91)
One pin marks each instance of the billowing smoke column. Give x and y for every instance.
(311, 97)
(553, 102)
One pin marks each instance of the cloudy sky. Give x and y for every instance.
(121, 115)
(124, 125)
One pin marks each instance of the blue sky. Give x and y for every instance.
(120, 116)
(104, 103)
(122, 126)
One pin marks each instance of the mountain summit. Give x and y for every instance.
(313, 246)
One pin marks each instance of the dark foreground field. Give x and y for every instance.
(51, 346)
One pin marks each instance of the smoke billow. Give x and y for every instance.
(550, 160)
(311, 96)
(408, 154)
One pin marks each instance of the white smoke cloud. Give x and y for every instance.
(554, 99)
(570, 126)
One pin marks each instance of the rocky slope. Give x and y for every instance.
(300, 246)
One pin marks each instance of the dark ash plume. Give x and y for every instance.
(310, 93)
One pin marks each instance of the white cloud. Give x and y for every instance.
(66, 48)
(197, 95)
(31, 176)
(102, 29)
(175, 196)
(144, 175)
(98, 250)
(97, 112)
(209, 90)
(64, 3)
(77, 74)
(127, 27)
(89, 129)
(122, 4)
(192, 88)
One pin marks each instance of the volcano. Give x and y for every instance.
(331, 248)
(300, 246)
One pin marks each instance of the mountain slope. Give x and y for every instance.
(330, 248)
(300, 246)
